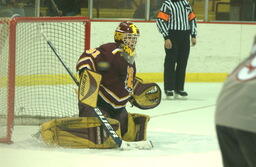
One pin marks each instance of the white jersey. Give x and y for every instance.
(236, 104)
(176, 15)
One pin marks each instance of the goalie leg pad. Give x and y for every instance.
(137, 127)
(82, 132)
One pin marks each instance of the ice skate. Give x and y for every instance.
(180, 94)
(169, 94)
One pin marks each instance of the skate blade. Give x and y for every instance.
(179, 97)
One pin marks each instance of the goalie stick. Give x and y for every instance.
(59, 12)
(119, 142)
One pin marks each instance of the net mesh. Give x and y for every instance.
(43, 88)
(4, 47)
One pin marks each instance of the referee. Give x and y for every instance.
(176, 22)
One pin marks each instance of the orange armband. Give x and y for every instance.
(191, 16)
(162, 15)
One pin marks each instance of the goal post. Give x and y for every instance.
(34, 86)
(7, 79)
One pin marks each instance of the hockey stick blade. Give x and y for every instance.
(141, 145)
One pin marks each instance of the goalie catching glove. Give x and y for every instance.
(146, 95)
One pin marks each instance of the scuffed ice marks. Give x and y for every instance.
(167, 143)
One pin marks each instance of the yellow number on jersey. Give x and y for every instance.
(93, 52)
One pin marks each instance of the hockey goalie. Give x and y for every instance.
(107, 81)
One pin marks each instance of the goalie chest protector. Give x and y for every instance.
(117, 79)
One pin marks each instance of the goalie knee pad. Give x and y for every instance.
(83, 132)
(137, 127)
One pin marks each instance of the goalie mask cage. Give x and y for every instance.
(34, 85)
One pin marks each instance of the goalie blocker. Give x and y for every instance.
(88, 131)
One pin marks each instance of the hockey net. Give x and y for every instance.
(34, 86)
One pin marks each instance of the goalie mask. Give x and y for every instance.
(126, 34)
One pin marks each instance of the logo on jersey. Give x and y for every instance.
(248, 72)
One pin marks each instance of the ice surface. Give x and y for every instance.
(182, 132)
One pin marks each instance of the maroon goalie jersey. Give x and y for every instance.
(117, 74)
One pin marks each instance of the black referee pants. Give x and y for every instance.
(176, 59)
(238, 147)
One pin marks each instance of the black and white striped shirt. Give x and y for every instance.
(176, 15)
